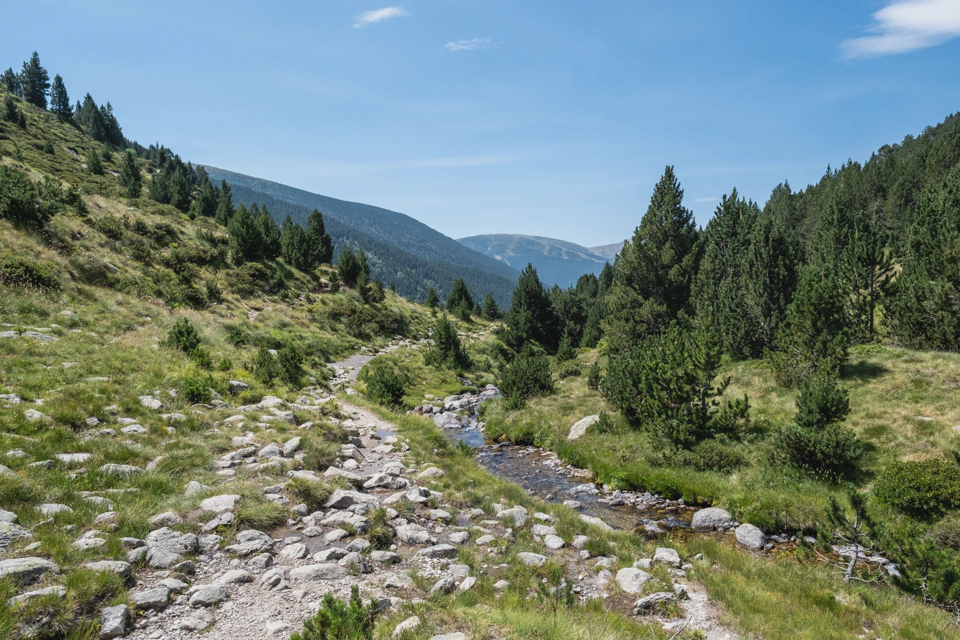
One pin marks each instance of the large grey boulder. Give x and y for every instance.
(439, 551)
(220, 504)
(207, 595)
(667, 556)
(344, 499)
(750, 536)
(319, 572)
(580, 428)
(632, 580)
(166, 547)
(531, 559)
(157, 598)
(10, 532)
(117, 567)
(27, 569)
(712, 518)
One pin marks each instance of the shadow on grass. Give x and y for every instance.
(862, 371)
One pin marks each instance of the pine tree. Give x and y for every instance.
(348, 267)
(90, 119)
(447, 350)
(245, 240)
(94, 165)
(565, 350)
(179, 189)
(817, 441)
(270, 233)
(923, 308)
(652, 274)
(432, 301)
(718, 286)
(460, 302)
(363, 273)
(320, 242)
(667, 384)
(59, 100)
(865, 273)
(224, 205)
(286, 239)
(490, 310)
(205, 203)
(814, 333)
(769, 279)
(11, 82)
(531, 317)
(130, 180)
(35, 82)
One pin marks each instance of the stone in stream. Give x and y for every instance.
(712, 518)
(596, 522)
(580, 428)
(750, 536)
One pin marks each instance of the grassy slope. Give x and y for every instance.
(904, 404)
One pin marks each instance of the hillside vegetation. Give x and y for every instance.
(402, 251)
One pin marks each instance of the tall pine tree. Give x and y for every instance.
(321, 245)
(652, 274)
(531, 317)
(59, 99)
(35, 82)
(130, 180)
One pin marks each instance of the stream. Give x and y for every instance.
(542, 474)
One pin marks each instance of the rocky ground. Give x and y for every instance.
(195, 573)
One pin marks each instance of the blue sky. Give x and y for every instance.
(483, 116)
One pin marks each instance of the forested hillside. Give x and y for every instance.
(558, 262)
(410, 253)
(760, 362)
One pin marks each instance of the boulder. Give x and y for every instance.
(120, 469)
(117, 567)
(166, 519)
(344, 499)
(531, 559)
(407, 625)
(712, 518)
(319, 572)
(553, 543)
(235, 576)
(443, 586)
(220, 504)
(114, 621)
(150, 403)
(580, 427)
(439, 551)
(632, 580)
(667, 556)
(151, 598)
(651, 601)
(597, 522)
(28, 569)
(750, 536)
(58, 591)
(207, 595)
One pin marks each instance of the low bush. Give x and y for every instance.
(338, 621)
(568, 369)
(183, 336)
(713, 455)
(528, 375)
(385, 385)
(594, 377)
(249, 279)
(264, 366)
(198, 388)
(109, 226)
(18, 271)
(924, 489)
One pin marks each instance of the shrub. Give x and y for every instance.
(528, 375)
(264, 366)
(338, 621)
(18, 271)
(924, 489)
(198, 388)
(201, 358)
(712, 455)
(290, 364)
(183, 336)
(214, 295)
(110, 226)
(594, 377)
(20, 199)
(447, 350)
(568, 369)
(249, 279)
(385, 385)
(565, 350)
(817, 441)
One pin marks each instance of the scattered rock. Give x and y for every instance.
(580, 428)
(319, 572)
(750, 536)
(220, 504)
(531, 559)
(407, 625)
(114, 621)
(208, 595)
(712, 518)
(632, 580)
(651, 601)
(151, 598)
(667, 556)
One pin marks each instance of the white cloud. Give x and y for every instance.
(907, 25)
(469, 45)
(378, 15)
